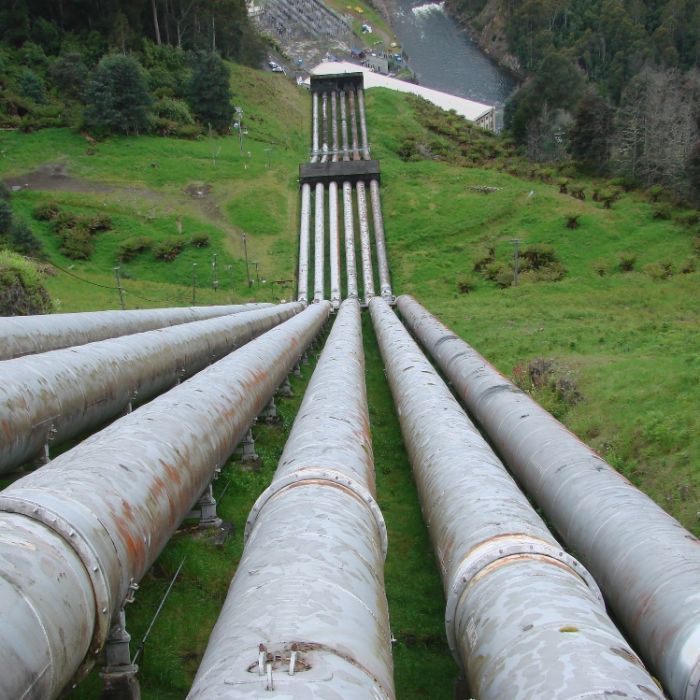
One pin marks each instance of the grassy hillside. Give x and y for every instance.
(621, 348)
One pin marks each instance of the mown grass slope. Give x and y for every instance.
(625, 342)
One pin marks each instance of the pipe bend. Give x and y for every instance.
(332, 478)
(503, 547)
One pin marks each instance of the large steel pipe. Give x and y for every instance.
(76, 534)
(334, 125)
(310, 583)
(334, 243)
(363, 123)
(25, 335)
(365, 242)
(319, 241)
(55, 395)
(344, 126)
(524, 619)
(380, 241)
(304, 229)
(646, 563)
(349, 226)
(314, 127)
(353, 124)
(324, 127)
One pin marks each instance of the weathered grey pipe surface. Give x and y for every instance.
(646, 563)
(94, 519)
(304, 230)
(334, 125)
(56, 395)
(324, 126)
(363, 123)
(380, 241)
(524, 619)
(344, 126)
(353, 124)
(365, 242)
(319, 241)
(311, 572)
(349, 226)
(334, 243)
(314, 127)
(25, 335)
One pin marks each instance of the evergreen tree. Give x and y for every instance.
(590, 136)
(208, 93)
(117, 97)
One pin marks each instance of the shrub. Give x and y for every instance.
(132, 247)
(23, 241)
(199, 240)
(601, 267)
(689, 265)
(484, 258)
(661, 270)
(69, 74)
(572, 221)
(564, 185)
(626, 261)
(46, 212)
(5, 217)
(655, 192)
(688, 218)
(76, 243)
(172, 110)
(99, 222)
(169, 249)
(21, 290)
(499, 273)
(32, 86)
(662, 211)
(538, 255)
(465, 285)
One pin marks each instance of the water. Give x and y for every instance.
(445, 58)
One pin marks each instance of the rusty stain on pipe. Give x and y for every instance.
(646, 563)
(524, 619)
(310, 582)
(56, 395)
(113, 502)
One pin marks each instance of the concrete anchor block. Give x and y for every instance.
(269, 413)
(285, 389)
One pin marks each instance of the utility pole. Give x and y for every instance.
(194, 283)
(516, 260)
(247, 267)
(257, 276)
(239, 115)
(120, 289)
(214, 274)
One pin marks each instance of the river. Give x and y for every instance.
(444, 57)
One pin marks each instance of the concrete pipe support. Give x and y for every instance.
(306, 614)
(645, 562)
(53, 396)
(524, 619)
(365, 242)
(380, 241)
(304, 229)
(319, 241)
(76, 534)
(349, 226)
(26, 335)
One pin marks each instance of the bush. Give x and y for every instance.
(689, 265)
(132, 247)
(5, 217)
(572, 221)
(209, 91)
(537, 256)
(76, 243)
(21, 290)
(23, 241)
(465, 285)
(484, 258)
(169, 249)
(601, 267)
(626, 261)
(69, 74)
(662, 211)
(688, 218)
(659, 270)
(175, 111)
(63, 220)
(32, 86)
(499, 273)
(199, 240)
(46, 212)
(99, 222)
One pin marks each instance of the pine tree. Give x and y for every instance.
(117, 97)
(208, 93)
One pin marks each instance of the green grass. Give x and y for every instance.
(627, 341)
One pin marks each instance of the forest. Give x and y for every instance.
(613, 83)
